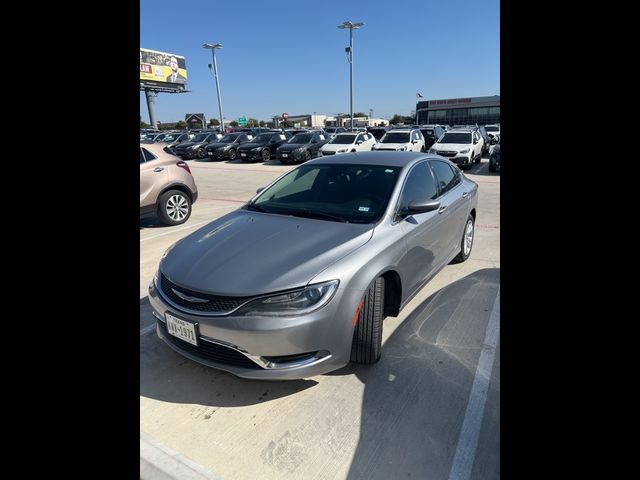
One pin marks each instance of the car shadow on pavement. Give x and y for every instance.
(151, 223)
(415, 397)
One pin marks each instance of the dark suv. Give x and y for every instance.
(227, 146)
(303, 146)
(431, 134)
(262, 147)
(195, 148)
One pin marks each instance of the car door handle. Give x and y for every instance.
(158, 169)
(442, 209)
(465, 194)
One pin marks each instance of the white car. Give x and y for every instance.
(462, 147)
(401, 140)
(349, 142)
(492, 130)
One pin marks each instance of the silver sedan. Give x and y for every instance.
(297, 282)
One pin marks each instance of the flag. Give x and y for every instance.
(419, 95)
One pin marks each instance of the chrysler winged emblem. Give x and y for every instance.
(188, 298)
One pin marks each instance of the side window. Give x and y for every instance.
(141, 156)
(420, 185)
(445, 176)
(148, 155)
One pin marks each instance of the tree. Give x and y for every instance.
(233, 123)
(360, 114)
(396, 119)
(261, 123)
(181, 125)
(252, 122)
(144, 124)
(214, 122)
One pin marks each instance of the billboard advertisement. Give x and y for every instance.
(162, 70)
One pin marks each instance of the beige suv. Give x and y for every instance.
(167, 188)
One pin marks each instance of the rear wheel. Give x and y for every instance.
(366, 346)
(266, 155)
(466, 244)
(232, 154)
(174, 207)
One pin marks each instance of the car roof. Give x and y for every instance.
(459, 130)
(391, 159)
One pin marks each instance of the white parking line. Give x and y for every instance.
(174, 230)
(147, 329)
(468, 440)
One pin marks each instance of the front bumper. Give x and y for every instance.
(249, 155)
(268, 348)
(217, 154)
(291, 156)
(458, 159)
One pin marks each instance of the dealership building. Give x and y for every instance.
(459, 111)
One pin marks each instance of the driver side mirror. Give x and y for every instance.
(493, 141)
(260, 189)
(359, 142)
(475, 141)
(419, 206)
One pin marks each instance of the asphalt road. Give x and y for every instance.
(429, 409)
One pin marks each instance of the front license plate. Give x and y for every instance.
(285, 155)
(181, 329)
(210, 154)
(243, 154)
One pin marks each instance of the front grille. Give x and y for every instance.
(447, 154)
(211, 351)
(215, 303)
(328, 153)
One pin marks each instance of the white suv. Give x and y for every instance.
(409, 140)
(492, 130)
(348, 142)
(463, 147)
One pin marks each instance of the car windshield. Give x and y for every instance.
(344, 138)
(151, 136)
(395, 137)
(228, 139)
(170, 138)
(492, 129)
(332, 192)
(301, 138)
(200, 137)
(262, 138)
(330, 130)
(456, 137)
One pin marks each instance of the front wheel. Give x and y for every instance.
(366, 346)
(232, 154)
(266, 155)
(466, 244)
(307, 156)
(174, 207)
(201, 153)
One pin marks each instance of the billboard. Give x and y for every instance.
(162, 70)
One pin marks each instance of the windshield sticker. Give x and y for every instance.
(363, 209)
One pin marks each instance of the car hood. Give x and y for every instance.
(451, 147)
(249, 146)
(248, 253)
(291, 146)
(390, 146)
(334, 147)
(188, 144)
(214, 145)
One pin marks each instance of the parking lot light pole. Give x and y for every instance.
(351, 26)
(215, 73)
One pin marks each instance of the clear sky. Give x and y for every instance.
(288, 56)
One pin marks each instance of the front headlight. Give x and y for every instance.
(466, 150)
(298, 302)
(402, 149)
(255, 149)
(342, 150)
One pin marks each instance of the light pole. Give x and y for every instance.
(215, 70)
(351, 26)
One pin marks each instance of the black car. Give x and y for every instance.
(227, 146)
(333, 131)
(172, 140)
(303, 146)
(196, 147)
(431, 133)
(262, 147)
(494, 159)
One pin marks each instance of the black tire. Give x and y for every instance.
(174, 207)
(492, 167)
(366, 346)
(479, 157)
(232, 154)
(307, 155)
(201, 153)
(461, 257)
(266, 155)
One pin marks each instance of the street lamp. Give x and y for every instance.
(351, 26)
(215, 70)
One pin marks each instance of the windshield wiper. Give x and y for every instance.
(304, 212)
(257, 208)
